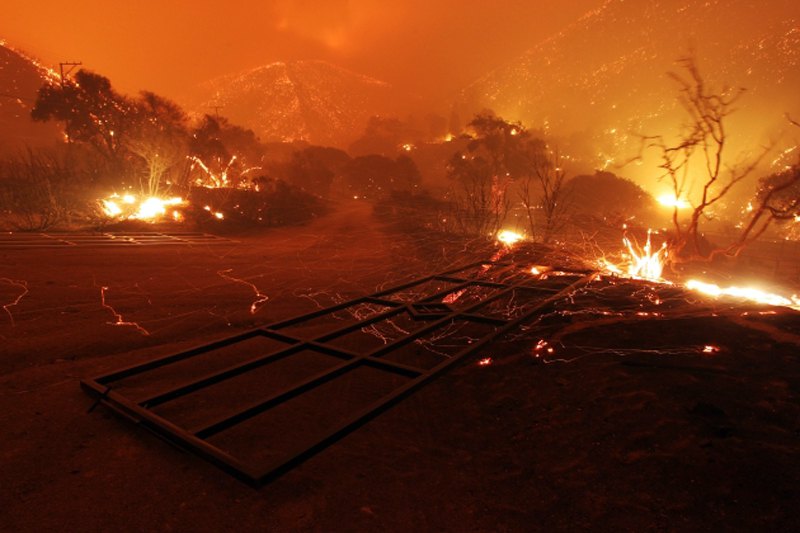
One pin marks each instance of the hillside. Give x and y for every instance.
(20, 79)
(604, 80)
(312, 101)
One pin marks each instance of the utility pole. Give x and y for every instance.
(70, 67)
(216, 109)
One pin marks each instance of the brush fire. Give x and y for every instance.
(400, 266)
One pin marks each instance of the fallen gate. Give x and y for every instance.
(374, 351)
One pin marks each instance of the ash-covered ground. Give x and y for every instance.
(655, 410)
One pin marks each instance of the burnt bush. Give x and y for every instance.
(37, 191)
(272, 203)
(411, 212)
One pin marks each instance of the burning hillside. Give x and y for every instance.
(606, 75)
(20, 79)
(463, 323)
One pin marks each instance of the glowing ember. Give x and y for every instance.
(486, 361)
(542, 347)
(215, 214)
(509, 238)
(15, 283)
(669, 200)
(453, 296)
(118, 320)
(710, 349)
(743, 293)
(260, 300)
(127, 207)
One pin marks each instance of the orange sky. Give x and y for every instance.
(427, 47)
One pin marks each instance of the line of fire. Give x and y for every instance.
(354, 267)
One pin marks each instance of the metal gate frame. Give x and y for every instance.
(504, 278)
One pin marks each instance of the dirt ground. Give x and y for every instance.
(629, 427)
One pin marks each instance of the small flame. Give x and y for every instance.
(669, 200)
(639, 263)
(453, 296)
(509, 238)
(111, 208)
(486, 361)
(646, 264)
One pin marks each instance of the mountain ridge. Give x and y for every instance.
(309, 100)
(603, 81)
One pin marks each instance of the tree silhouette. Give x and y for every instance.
(158, 138)
(498, 153)
(541, 188)
(224, 152)
(315, 167)
(93, 112)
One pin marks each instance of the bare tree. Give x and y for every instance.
(700, 157)
(542, 188)
(159, 138)
(161, 156)
(481, 203)
(497, 155)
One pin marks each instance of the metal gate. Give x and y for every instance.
(235, 402)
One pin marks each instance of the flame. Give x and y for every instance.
(111, 208)
(639, 263)
(453, 296)
(127, 207)
(213, 180)
(744, 293)
(509, 238)
(644, 263)
(538, 270)
(669, 200)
